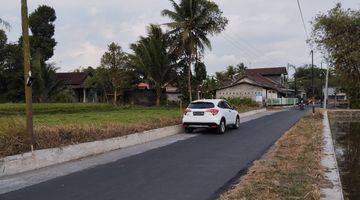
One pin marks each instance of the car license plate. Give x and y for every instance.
(198, 113)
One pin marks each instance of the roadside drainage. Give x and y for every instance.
(345, 128)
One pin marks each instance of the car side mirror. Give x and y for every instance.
(233, 107)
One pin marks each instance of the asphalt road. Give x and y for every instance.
(197, 168)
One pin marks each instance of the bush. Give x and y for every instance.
(241, 102)
(13, 136)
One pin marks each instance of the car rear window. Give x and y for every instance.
(201, 105)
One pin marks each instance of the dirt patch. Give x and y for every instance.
(291, 170)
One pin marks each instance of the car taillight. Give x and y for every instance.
(213, 111)
(187, 111)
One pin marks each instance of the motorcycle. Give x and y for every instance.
(301, 106)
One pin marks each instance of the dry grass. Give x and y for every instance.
(292, 170)
(13, 138)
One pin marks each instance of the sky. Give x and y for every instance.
(260, 33)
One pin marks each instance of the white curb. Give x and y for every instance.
(42, 158)
(46, 157)
(329, 162)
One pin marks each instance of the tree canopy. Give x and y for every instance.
(153, 60)
(115, 69)
(192, 21)
(337, 34)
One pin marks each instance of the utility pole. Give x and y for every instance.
(27, 71)
(312, 81)
(326, 88)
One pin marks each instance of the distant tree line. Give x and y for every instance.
(159, 58)
(42, 43)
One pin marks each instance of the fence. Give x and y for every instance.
(282, 101)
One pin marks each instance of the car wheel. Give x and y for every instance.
(222, 127)
(189, 130)
(237, 123)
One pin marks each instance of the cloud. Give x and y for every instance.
(260, 33)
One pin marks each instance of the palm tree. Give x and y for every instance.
(192, 22)
(152, 59)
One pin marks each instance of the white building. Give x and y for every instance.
(258, 84)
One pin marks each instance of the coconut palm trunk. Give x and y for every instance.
(189, 81)
(158, 95)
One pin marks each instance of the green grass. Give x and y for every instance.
(126, 116)
(79, 113)
(56, 108)
(57, 125)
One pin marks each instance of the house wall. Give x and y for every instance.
(242, 90)
(247, 91)
(173, 97)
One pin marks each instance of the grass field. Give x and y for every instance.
(58, 125)
(69, 114)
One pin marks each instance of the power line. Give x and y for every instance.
(240, 47)
(258, 53)
(302, 19)
(244, 55)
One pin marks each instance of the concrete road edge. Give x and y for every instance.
(46, 157)
(330, 164)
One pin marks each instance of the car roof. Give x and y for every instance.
(214, 101)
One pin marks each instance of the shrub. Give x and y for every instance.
(13, 136)
(241, 102)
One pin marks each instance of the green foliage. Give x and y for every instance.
(200, 72)
(66, 95)
(209, 86)
(42, 44)
(231, 74)
(114, 69)
(192, 23)
(337, 34)
(303, 76)
(152, 59)
(11, 73)
(54, 108)
(41, 23)
(238, 102)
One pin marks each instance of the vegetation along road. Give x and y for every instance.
(196, 168)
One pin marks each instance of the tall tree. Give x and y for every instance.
(42, 44)
(337, 34)
(152, 59)
(115, 64)
(192, 22)
(303, 76)
(42, 27)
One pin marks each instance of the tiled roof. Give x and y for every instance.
(258, 76)
(268, 71)
(75, 79)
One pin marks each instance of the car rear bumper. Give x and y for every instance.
(199, 125)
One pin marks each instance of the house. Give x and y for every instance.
(75, 81)
(336, 97)
(172, 93)
(258, 84)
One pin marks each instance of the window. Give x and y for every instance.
(224, 104)
(201, 105)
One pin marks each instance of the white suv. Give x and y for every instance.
(215, 113)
